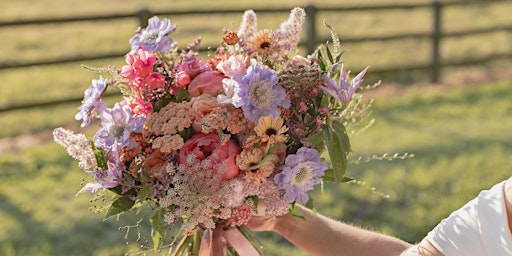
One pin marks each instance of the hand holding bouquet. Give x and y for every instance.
(203, 141)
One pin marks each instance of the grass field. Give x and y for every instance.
(458, 130)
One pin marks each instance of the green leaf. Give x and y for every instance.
(329, 176)
(100, 157)
(318, 140)
(337, 154)
(144, 177)
(338, 57)
(309, 204)
(255, 200)
(158, 230)
(182, 95)
(329, 55)
(143, 194)
(341, 131)
(322, 64)
(162, 102)
(295, 212)
(120, 205)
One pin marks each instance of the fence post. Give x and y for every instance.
(436, 41)
(143, 15)
(310, 28)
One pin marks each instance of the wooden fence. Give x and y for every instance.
(311, 41)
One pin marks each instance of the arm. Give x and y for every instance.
(319, 235)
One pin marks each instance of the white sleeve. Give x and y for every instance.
(478, 228)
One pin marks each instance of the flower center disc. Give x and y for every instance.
(261, 95)
(149, 37)
(303, 175)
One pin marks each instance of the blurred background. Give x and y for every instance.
(445, 96)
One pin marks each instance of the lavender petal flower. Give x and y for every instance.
(106, 178)
(118, 123)
(91, 96)
(154, 37)
(343, 90)
(299, 174)
(258, 93)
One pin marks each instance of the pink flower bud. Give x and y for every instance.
(183, 78)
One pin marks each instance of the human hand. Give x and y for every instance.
(262, 223)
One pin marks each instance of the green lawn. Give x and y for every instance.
(460, 138)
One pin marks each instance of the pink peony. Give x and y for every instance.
(202, 106)
(209, 147)
(209, 82)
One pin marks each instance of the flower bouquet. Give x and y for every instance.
(204, 141)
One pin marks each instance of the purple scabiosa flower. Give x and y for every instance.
(300, 172)
(91, 96)
(106, 178)
(343, 90)
(258, 93)
(154, 37)
(118, 123)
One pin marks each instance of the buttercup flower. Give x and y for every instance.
(118, 123)
(91, 96)
(258, 93)
(300, 172)
(343, 90)
(154, 37)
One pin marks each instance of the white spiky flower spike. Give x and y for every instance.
(248, 26)
(288, 34)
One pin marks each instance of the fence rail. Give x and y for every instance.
(436, 35)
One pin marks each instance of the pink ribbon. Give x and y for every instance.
(214, 242)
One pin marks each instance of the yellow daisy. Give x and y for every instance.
(255, 166)
(271, 129)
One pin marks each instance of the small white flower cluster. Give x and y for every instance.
(77, 146)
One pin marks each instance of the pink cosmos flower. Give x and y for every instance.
(209, 82)
(209, 147)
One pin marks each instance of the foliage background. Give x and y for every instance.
(458, 130)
